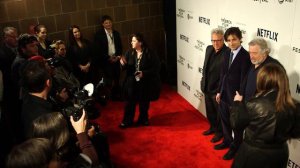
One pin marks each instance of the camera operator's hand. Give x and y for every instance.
(91, 132)
(80, 125)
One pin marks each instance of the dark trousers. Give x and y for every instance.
(112, 74)
(212, 114)
(130, 111)
(227, 129)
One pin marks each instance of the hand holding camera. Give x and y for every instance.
(80, 125)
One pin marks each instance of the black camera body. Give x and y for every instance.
(81, 101)
(54, 62)
(72, 111)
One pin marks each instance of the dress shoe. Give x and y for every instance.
(221, 146)
(142, 123)
(208, 132)
(123, 125)
(216, 138)
(229, 155)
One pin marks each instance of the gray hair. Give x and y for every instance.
(8, 30)
(218, 31)
(262, 43)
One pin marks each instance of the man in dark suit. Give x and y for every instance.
(235, 67)
(36, 80)
(8, 52)
(259, 55)
(9, 115)
(210, 81)
(108, 48)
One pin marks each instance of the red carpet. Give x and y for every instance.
(172, 140)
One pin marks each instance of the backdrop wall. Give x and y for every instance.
(277, 21)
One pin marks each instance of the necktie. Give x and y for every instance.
(111, 36)
(230, 59)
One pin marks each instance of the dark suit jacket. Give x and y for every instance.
(246, 96)
(7, 57)
(101, 46)
(211, 72)
(149, 84)
(32, 108)
(232, 78)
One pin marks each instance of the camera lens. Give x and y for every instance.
(77, 114)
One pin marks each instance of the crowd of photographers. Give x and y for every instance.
(45, 103)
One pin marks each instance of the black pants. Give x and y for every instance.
(130, 111)
(227, 129)
(212, 113)
(112, 74)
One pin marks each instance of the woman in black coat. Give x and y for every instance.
(79, 54)
(269, 120)
(44, 43)
(142, 82)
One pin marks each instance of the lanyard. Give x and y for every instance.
(138, 60)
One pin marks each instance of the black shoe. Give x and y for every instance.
(123, 125)
(208, 132)
(216, 138)
(221, 146)
(140, 123)
(229, 155)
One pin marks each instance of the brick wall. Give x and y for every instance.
(129, 16)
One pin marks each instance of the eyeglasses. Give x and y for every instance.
(213, 41)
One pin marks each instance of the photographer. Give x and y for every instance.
(54, 127)
(35, 152)
(64, 81)
(36, 84)
(62, 67)
(66, 97)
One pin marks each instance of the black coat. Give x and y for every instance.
(266, 131)
(7, 57)
(231, 79)
(77, 55)
(48, 52)
(80, 56)
(148, 88)
(32, 108)
(101, 46)
(252, 84)
(212, 70)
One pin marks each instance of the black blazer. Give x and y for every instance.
(48, 52)
(7, 57)
(101, 46)
(211, 73)
(232, 78)
(268, 60)
(79, 56)
(149, 84)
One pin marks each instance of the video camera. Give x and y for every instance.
(82, 100)
(54, 62)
